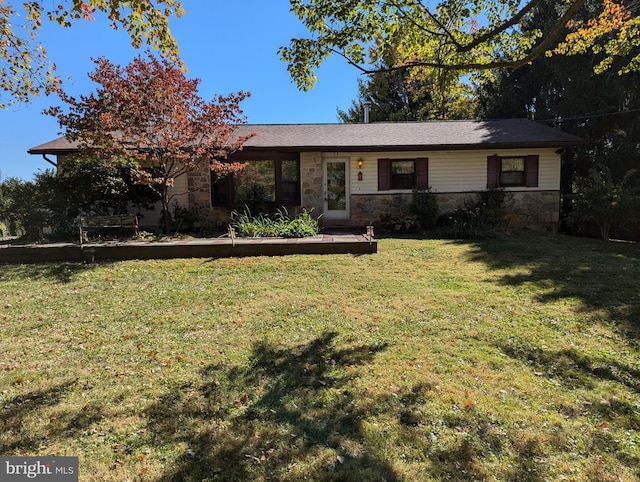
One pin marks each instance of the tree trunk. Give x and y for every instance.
(165, 207)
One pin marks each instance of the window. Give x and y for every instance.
(512, 171)
(403, 174)
(268, 182)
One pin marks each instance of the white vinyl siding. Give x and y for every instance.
(151, 217)
(455, 171)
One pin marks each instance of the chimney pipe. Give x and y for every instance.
(367, 112)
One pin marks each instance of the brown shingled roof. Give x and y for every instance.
(431, 135)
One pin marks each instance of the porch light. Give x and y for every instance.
(360, 176)
(360, 163)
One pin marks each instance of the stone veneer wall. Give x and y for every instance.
(199, 184)
(311, 181)
(538, 210)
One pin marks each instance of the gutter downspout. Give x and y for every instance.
(54, 164)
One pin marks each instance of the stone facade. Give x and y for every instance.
(371, 208)
(539, 210)
(311, 181)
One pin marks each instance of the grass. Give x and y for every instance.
(505, 359)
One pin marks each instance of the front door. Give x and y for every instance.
(336, 188)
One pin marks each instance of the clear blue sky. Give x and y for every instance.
(230, 45)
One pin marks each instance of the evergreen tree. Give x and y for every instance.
(564, 92)
(411, 95)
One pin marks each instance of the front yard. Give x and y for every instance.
(506, 359)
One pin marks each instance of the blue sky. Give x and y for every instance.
(231, 46)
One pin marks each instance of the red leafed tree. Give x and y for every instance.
(150, 111)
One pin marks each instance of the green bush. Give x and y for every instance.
(191, 220)
(280, 225)
(399, 224)
(467, 224)
(491, 206)
(55, 199)
(26, 205)
(425, 207)
(483, 217)
(605, 201)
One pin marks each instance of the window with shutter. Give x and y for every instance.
(384, 174)
(403, 174)
(512, 171)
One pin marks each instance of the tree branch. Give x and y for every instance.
(538, 51)
(504, 26)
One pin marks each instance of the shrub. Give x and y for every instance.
(467, 224)
(483, 217)
(604, 201)
(57, 198)
(425, 207)
(490, 205)
(301, 226)
(191, 220)
(401, 223)
(25, 205)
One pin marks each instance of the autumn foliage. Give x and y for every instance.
(150, 111)
(615, 32)
(25, 69)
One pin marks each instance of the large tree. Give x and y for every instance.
(150, 111)
(456, 35)
(24, 67)
(567, 93)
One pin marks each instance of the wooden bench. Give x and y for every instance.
(94, 223)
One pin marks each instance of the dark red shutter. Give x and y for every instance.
(422, 173)
(493, 171)
(531, 168)
(384, 174)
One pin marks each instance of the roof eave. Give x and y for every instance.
(418, 147)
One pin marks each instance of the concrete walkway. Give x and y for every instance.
(342, 243)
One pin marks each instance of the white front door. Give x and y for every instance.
(336, 188)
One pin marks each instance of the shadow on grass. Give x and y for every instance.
(30, 404)
(602, 276)
(288, 415)
(573, 369)
(578, 371)
(55, 272)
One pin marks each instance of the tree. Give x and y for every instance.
(595, 35)
(24, 205)
(411, 95)
(605, 201)
(446, 34)
(149, 111)
(603, 109)
(100, 187)
(25, 70)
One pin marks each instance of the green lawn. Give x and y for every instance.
(506, 359)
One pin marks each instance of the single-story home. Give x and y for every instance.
(356, 174)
